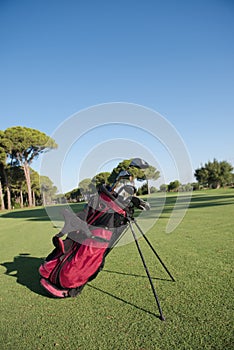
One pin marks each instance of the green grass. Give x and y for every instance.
(117, 309)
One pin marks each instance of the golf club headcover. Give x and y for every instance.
(140, 203)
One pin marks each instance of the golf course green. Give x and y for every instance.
(117, 310)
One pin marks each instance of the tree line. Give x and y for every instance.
(213, 174)
(89, 186)
(19, 183)
(21, 186)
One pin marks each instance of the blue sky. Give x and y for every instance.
(175, 57)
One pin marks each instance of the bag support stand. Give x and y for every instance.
(132, 221)
(72, 222)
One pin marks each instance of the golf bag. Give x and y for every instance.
(91, 235)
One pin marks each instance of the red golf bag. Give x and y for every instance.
(91, 234)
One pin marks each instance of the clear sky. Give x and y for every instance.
(175, 57)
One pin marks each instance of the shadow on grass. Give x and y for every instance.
(123, 301)
(25, 269)
(135, 275)
(30, 214)
(40, 214)
(200, 201)
(197, 201)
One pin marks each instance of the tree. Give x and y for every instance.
(35, 186)
(214, 174)
(174, 186)
(232, 180)
(18, 185)
(1, 196)
(28, 144)
(151, 173)
(142, 190)
(48, 190)
(195, 186)
(124, 165)
(74, 195)
(86, 187)
(5, 149)
(100, 179)
(163, 188)
(202, 176)
(2, 160)
(186, 187)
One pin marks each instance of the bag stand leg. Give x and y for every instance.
(145, 266)
(154, 251)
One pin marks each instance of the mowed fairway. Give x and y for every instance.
(117, 310)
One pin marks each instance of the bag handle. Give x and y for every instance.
(73, 223)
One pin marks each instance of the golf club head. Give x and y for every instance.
(130, 189)
(140, 203)
(139, 163)
(124, 174)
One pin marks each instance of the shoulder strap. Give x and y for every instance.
(74, 227)
(73, 223)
